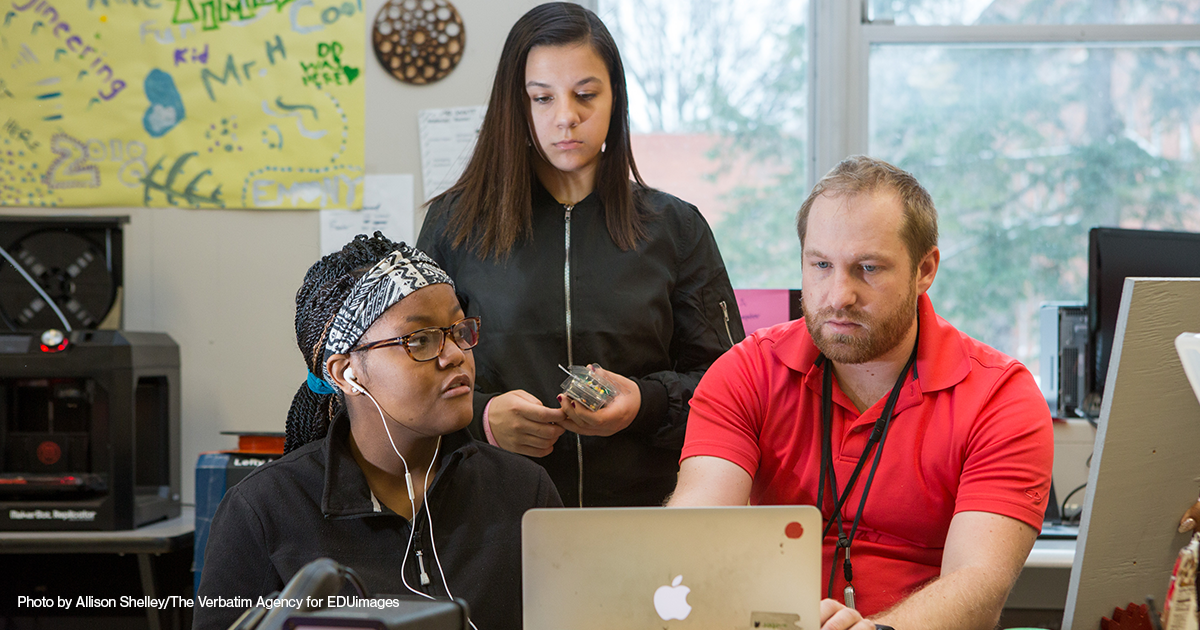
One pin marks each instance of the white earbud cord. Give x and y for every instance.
(412, 501)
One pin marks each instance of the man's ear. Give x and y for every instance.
(927, 269)
(337, 366)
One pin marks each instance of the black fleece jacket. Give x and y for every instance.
(659, 314)
(315, 503)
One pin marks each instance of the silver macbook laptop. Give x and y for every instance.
(631, 568)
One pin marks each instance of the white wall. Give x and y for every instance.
(222, 282)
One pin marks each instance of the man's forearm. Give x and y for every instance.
(971, 597)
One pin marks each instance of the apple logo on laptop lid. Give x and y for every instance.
(670, 602)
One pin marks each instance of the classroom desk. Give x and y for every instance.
(1042, 585)
(151, 540)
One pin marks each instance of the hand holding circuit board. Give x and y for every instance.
(586, 387)
(598, 402)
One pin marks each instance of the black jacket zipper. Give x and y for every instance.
(570, 350)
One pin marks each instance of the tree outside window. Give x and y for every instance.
(1024, 146)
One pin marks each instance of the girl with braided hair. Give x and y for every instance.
(378, 456)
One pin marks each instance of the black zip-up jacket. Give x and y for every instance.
(315, 502)
(659, 314)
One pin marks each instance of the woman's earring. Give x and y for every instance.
(603, 146)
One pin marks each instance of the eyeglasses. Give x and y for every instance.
(426, 344)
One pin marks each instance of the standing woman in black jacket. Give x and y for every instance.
(555, 240)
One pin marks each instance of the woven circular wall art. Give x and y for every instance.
(419, 41)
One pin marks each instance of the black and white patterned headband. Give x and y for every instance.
(389, 281)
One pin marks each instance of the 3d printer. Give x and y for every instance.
(89, 413)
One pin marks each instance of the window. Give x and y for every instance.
(1029, 121)
(1027, 137)
(958, 12)
(718, 102)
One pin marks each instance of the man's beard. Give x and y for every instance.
(882, 333)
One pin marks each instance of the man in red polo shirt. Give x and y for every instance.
(932, 451)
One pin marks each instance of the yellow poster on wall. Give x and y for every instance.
(182, 103)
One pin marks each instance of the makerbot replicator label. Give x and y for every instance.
(52, 515)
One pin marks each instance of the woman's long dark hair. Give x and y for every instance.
(492, 200)
(318, 299)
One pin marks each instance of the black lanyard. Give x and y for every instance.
(878, 436)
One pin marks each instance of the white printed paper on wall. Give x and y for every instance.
(447, 140)
(387, 207)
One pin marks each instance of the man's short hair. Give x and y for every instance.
(858, 175)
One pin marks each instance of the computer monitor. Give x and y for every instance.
(1144, 467)
(1113, 255)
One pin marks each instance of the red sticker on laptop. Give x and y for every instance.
(794, 530)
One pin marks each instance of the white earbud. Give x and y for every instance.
(349, 376)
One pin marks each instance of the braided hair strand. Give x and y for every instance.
(326, 285)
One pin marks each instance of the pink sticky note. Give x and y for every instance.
(761, 308)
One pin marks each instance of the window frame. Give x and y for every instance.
(839, 80)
